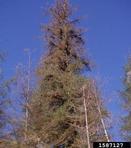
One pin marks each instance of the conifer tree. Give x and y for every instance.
(22, 87)
(126, 128)
(4, 88)
(2, 111)
(57, 106)
(57, 110)
(96, 113)
(21, 101)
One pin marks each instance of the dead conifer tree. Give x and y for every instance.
(20, 104)
(86, 117)
(62, 113)
(96, 114)
(126, 95)
(57, 105)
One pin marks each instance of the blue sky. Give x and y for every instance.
(107, 40)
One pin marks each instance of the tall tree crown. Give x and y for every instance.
(57, 108)
(64, 40)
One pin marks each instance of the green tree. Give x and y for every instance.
(126, 128)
